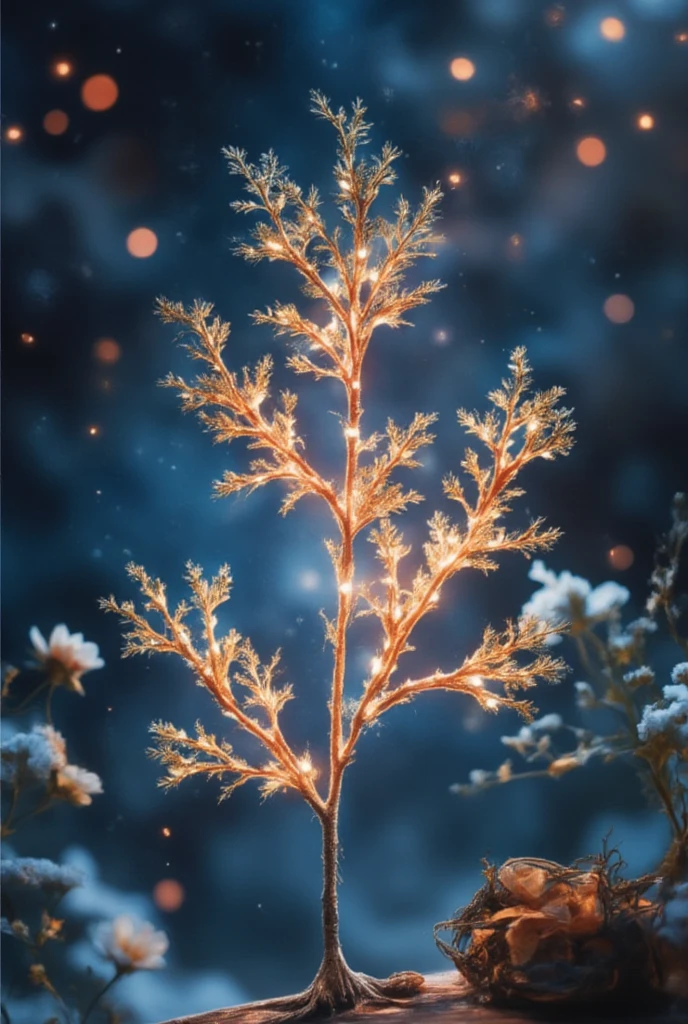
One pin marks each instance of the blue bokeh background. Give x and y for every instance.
(195, 77)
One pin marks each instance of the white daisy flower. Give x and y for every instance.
(131, 945)
(65, 656)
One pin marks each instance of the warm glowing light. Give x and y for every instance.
(619, 309)
(434, 598)
(142, 242)
(645, 122)
(94, 430)
(362, 253)
(14, 133)
(345, 588)
(375, 664)
(344, 185)
(591, 151)
(681, 37)
(275, 246)
(62, 68)
(352, 432)
(612, 29)
(166, 832)
(474, 681)
(455, 178)
(554, 16)
(168, 894)
(373, 275)
(28, 339)
(106, 350)
(462, 68)
(578, 102)
(305, 765)
(516, 241)
(56, 122)
(356, 385)
(491, 703)
(99, 92)
(620, 557)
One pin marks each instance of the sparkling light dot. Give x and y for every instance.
(14, 133)
(28, 339)
(462, 68)
(56, 122)
(612, 29)
(106, 350)
(620, 557)
(578, 103)
(375, 664)
(619, 309)
(99, 92)
(142, 242)
(455, 178)
(62, 68)
(345, 588)
(591, 151)
(474, 680)
(94, 430)
(168, 894)
(353, 432)
(645, 122)
(166, 832)
(681, 37)
(491, 703)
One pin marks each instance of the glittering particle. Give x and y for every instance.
(612, 29)
(56, 122)
(455, 178)
(645, 122)
(619, 309)
(554, 16)
(166, 832)
(99, 92)
(94, 430)
(681, 37)
(591, 151)
(142, 242)
(462, 69)
(168, 894)
(620, 557)
(14, 133)
(27, 339)
(578, 103)
(61, 68)
(107, 351)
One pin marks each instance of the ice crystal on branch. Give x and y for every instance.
(358, 273)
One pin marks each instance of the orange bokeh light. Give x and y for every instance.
(99, 92)
(56, 122)
(612, 29)
(94, 430)
(142, 242)
(14, 133)
(462, 68)
(620, 557)
(455, 178)
(619, 309)
(591, 151)
(62, 68)
(168, 894)
(645, 122)
(27, 338)
(106, 350)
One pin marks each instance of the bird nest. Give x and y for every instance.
(538, 932)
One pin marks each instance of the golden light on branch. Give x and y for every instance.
(357, 272)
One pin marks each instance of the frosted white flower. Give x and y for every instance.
(478, 777)
(548, 723)
(66, 656)
(643, 676)
(39, 873)
(679, 673)
(77, 785)
(130, 944)
(32, 757)
(670, 717)
(571, 599)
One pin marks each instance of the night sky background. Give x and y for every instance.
(101, 467)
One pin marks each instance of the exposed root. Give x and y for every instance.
(336, 988)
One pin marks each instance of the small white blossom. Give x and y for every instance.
(478, 777)
(130, 944)
(571, 599)
(65, 656)
(643, 676)
(39, 873)
(77, 785)
(679, 673)
(548, 723)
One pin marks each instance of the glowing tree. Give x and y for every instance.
(358, 275)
